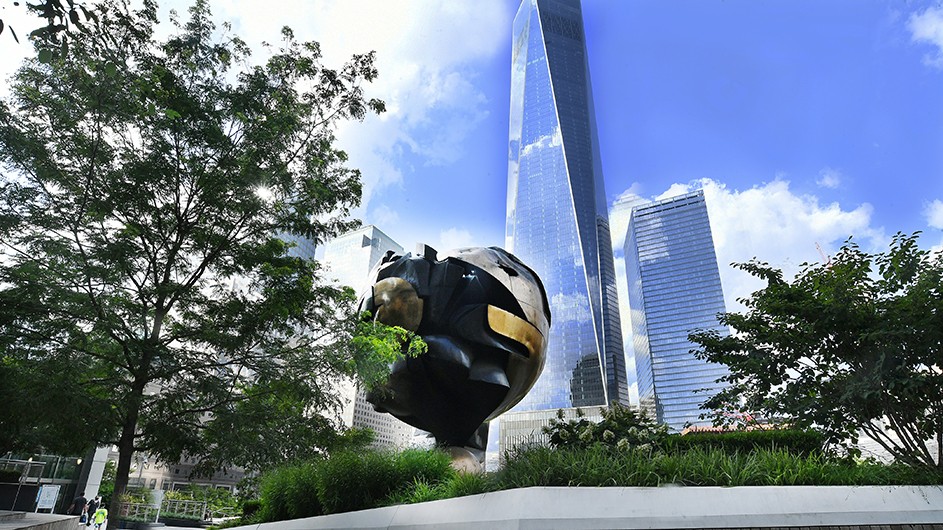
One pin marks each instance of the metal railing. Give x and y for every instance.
(185, 509)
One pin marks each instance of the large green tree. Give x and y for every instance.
(150, 194)
(851, 346)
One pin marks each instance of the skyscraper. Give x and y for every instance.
(674, 288)
(349, 259)
(557, 219)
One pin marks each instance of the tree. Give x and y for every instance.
(60, 19)
(855, 345)
(150, 195)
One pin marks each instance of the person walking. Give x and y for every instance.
(92, 508)
(101, 517)
(79, 504)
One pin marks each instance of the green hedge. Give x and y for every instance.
(699, 466)
(347, 481)
(799, 442)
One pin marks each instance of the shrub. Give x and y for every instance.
(458, 485)
(251, 507)
(290, 492)
(620, 426)
(601, 465)
(349, 480)
(800, 442)
(354, 481)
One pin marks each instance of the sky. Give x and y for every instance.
(805, 121)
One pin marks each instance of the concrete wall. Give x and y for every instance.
(666, 507)
(39, 521)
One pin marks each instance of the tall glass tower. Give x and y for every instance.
(674, 288)
(557, 218)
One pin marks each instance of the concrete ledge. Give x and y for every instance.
(41, 521)
(667, 507)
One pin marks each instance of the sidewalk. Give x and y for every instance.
(38, 521)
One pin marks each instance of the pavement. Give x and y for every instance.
(40, 521)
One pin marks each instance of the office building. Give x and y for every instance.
(348, 260)
(674, 288)
(557, 220)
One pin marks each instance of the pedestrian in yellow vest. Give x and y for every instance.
(101, 515)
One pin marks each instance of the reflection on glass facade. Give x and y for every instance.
(557, 218)
(674, 288)
(302, 246)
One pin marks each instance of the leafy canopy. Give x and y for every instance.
(152, 198)
(377, 346)
(855, 345)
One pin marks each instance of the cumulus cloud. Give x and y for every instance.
(829, 178)
(455, 238)
(774, 224)
(383, 215)
(933, 212)
(428, 53)
(927, 27)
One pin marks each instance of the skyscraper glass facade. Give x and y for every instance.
(674, 289)
(557, 219)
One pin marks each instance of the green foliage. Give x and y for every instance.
(151, 194)
(250, 507)
(456, 485)
(107, 487)
(347, 481)
(217, 500)
(290, 492)
(620, 426)
(60, 18)
(353, 481)
(600, 465)
(137, 496)
(799, 442)
(852, 345)
(377, 346)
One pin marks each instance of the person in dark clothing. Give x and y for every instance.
(92, 508)
(78, 505)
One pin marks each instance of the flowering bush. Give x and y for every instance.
(621, 427)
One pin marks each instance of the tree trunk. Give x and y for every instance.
(125, 452)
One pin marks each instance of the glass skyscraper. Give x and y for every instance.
(557, 218)
(674, 289)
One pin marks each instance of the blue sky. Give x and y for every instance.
(805, 121)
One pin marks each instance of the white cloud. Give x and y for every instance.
(455, 238)
(774, 224)
(934, 213)
(428, 53)
(829, 178)
(383, 215)
(928, 27)
(777, 226)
